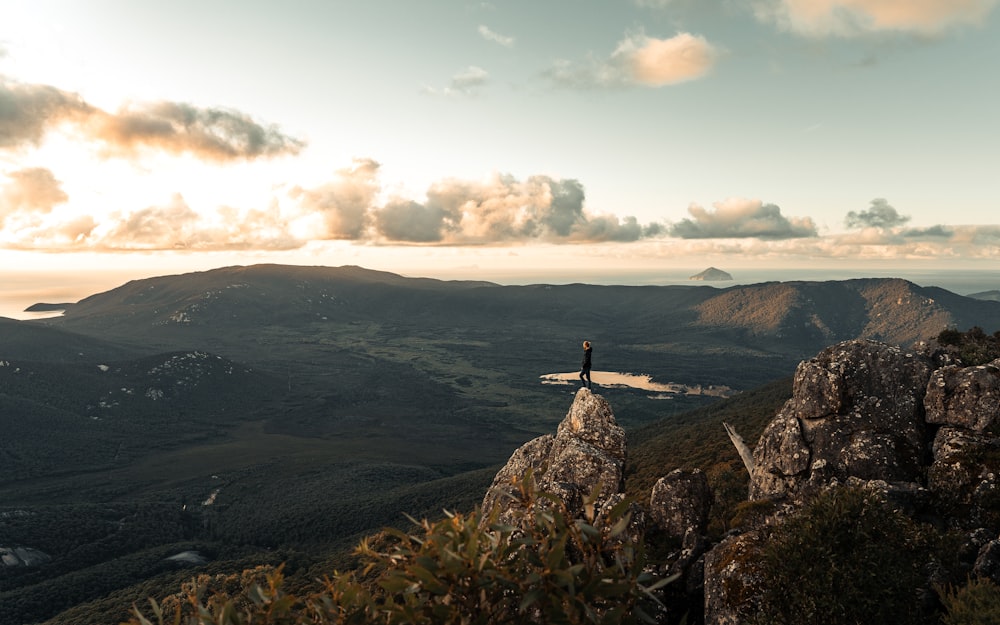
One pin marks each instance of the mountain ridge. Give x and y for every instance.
(308, 294)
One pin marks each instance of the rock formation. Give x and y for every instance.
(586, 454)
(680, 502)
(914, 426)
(856, 410)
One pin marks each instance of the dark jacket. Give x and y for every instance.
(586, 358)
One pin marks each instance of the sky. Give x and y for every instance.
(436, 136)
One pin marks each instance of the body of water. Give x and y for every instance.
(615, 379)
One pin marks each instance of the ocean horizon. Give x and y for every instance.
(22, 290)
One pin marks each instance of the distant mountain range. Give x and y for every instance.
(224, 304)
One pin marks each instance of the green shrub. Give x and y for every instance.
(463, 569)
(973, 347)
(845, 558)
(976, 603)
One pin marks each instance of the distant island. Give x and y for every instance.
(43, 307)
(712, 274)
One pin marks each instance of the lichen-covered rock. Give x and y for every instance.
(966, 472)
(866, 415)
(856, 410)
(591, 420)
(586, 455)
(575, 461)
(680, 502)
(967, 397)
(532, 456)
(732, 582)
(781, 458)
(860, 375)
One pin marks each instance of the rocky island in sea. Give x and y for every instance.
(712, 274)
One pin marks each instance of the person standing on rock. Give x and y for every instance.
(585, 368)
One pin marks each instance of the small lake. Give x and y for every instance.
(613, 379)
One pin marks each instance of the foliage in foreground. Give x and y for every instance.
(463, 569)
(977, 603)
(846, 558)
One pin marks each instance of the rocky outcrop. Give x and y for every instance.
(965, 397)
(856, 410)
(916, 427)
(680, 502)
(912, 426)
(586, 455)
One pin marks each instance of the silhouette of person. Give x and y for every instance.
(585, 368)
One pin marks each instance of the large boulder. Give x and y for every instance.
(680, 502)
(965, 397)
(732, 579)
(965, 474)
(856, 411)
(586, 456)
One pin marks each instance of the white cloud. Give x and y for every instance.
(32, 190)
(847, 18)
(28, 112)
(489, 35)
(879, 215)
(503, 209)
(465, 83)
(344, 202)
(741, 218)
(639, 60)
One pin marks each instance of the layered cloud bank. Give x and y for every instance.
(351, 206)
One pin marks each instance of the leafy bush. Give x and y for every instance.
(549, 568)
(973, 347)
(845, 558)
(976, 603)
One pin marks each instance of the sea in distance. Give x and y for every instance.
(19, 290)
